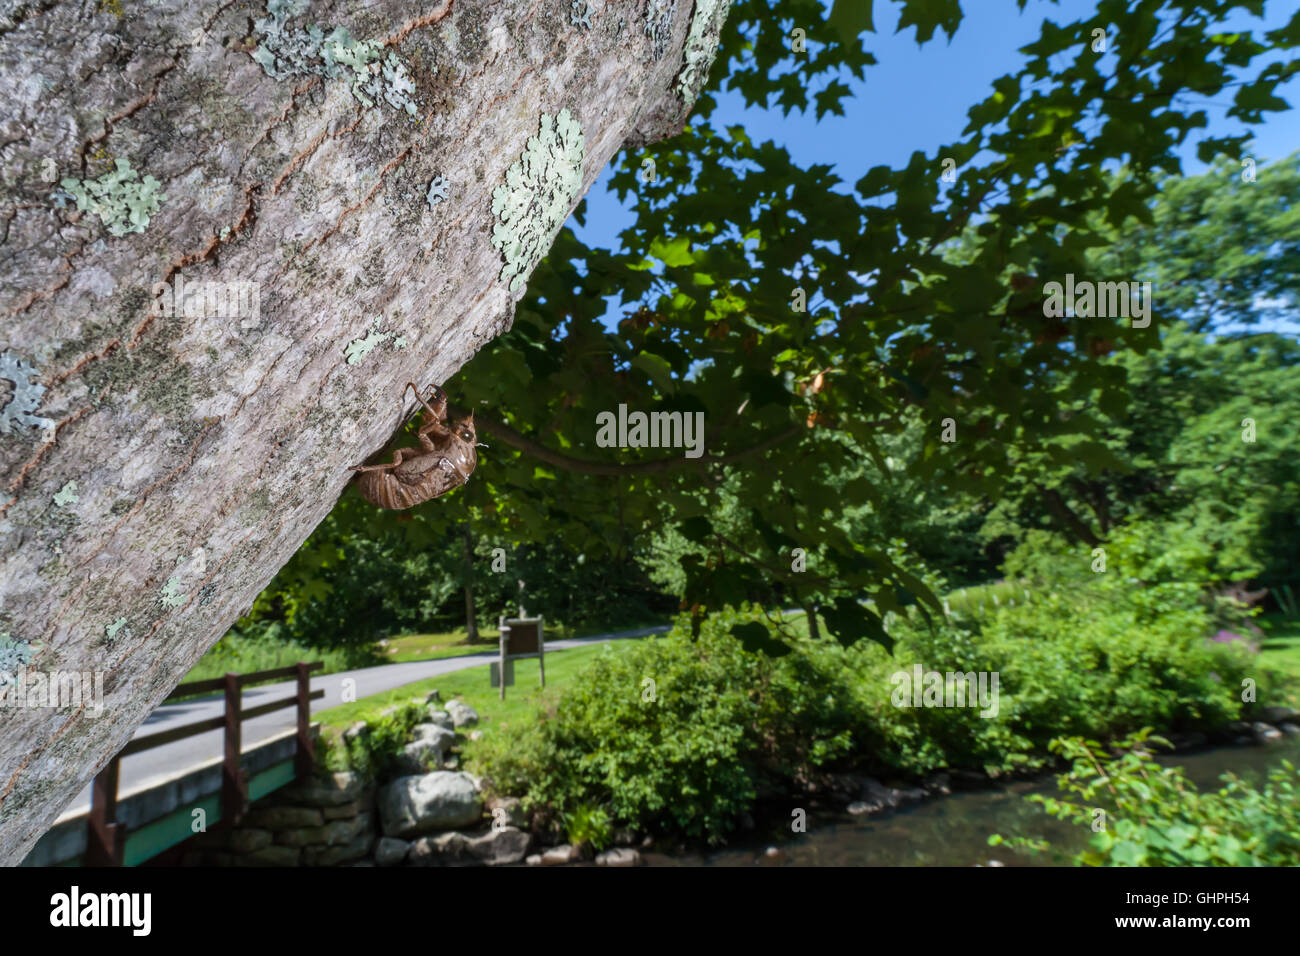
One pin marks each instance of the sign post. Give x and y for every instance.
(520, 638)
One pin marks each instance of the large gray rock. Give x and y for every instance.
(440, 717)
(1278, 715)
(875, 797)
(420, 756)
(427, 751)
(410, 806)
(334, 833)
(504, 845)
(495, 848)
(1266, 733)
(462, 714)
(249, 840)
(391, 852)
(272, 856)
(442, 737)
(559, 855)
(619, 856)
(445, 849)
(344, 811)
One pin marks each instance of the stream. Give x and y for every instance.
(954, 830)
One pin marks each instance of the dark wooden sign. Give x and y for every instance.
(520, 637)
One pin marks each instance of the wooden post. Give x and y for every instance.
(105, 837)
(504, 632)
(541, 649)
(305, 758)
(232, 782)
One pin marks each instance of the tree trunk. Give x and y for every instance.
(810, 612)
(159, 468)
(1067, 518)
(471, 619)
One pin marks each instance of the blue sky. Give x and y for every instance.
(917, 98)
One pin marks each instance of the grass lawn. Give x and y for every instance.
(471, 686)
(968, 600)
(1280, 653)
(246, 656)
(432, 647)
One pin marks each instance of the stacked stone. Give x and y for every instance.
(328, 821)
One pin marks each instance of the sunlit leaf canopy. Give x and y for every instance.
(924, 303)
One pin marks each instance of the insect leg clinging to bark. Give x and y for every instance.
(432, 423)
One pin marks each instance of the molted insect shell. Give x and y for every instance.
(444, 459)
(418, 478)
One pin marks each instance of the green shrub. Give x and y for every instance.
(1100, 655)
(686, 754)
(1156, 817)
(375, 752)
(588, 824)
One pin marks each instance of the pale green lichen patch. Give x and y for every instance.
(67, 495)
(172, 596)
(120, 198)
(701, 47)
(14, 656)
(111, 630)
(370, 75)
(537, 195)
(358, 349)
(25, 399)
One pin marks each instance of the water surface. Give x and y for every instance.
(954, 830)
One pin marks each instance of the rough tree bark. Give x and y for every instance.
(157, 470)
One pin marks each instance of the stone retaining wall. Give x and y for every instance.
(329, 821)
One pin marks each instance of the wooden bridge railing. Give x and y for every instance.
(106, 838)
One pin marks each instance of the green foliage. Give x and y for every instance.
(1104, 656)
(361, 577)
(924, 305)
(691, 759)
(1189, 463)
(1157, 817)
(588, 824)
(1223, 248)
(375, 752)
(924, 302)
(264, 650)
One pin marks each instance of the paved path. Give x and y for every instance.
(140, 769)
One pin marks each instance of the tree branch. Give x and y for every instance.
(502, 432)
(1066, 516)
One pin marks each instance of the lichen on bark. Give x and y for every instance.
(701, 47)
(539, 191)
(285, 53)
